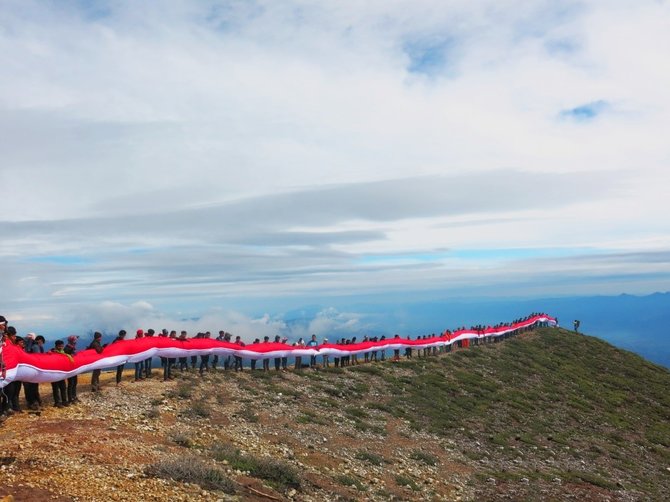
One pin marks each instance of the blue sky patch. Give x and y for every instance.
(585, 112)
(428, 57)
(60, 260)
(478, 254)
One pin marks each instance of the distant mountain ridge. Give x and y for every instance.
(637, 323)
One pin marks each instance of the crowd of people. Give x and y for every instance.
(65, 391)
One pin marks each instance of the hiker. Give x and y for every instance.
(4, 403)
(119, 369)
(71, 349)
(253, 361)
(325, 363)
(96, 345)
(139, 366)
(298, 359)
(204, 359)
(215, 359)
(32, 390)
(11, 392)
(266, 360)
(183, 361)
(312, 344)
(238, 359)
(353, 358)
(169, 361)
(147, 361)
(58, 388)
(277, 359)
(284, 360)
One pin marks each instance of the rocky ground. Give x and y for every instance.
(425, 429)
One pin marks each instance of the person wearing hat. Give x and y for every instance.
(119, 368)
(58, 388)
(71, 349)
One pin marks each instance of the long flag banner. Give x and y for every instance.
(54, 366)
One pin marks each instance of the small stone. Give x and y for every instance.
(525, 481)
(291, 493)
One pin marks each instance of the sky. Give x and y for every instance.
(217, 164)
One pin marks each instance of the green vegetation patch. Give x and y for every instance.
(276, 472)
(406, 481)
(424, 457)
(370, 457)
(191, 469)
(350, 481)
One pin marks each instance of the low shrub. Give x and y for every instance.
(406, 481)
(153, 412)
(424, 457)
(370, 458)
(198, 409)
(182, 439)
(276, 472)
(192, 469)
(347, 480)
(248, 414)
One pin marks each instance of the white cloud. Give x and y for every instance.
(245, 149)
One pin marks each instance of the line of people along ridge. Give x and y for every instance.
(65, 392)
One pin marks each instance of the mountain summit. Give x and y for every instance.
(546, 415)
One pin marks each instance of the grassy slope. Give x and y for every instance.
(545, 415)
(546, 407)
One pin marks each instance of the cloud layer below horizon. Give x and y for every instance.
(253, 156)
